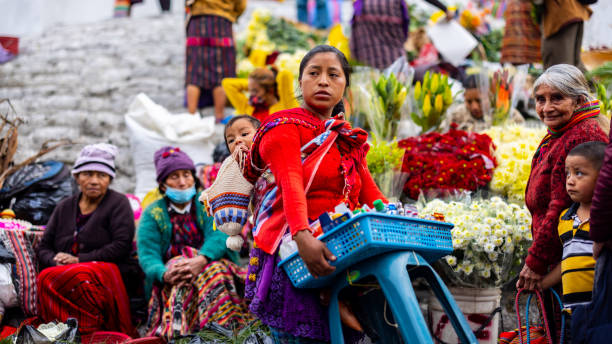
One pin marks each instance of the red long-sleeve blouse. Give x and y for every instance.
(546, 196)
(280, 150)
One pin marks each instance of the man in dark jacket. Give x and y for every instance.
(592, 323)
(601, 209)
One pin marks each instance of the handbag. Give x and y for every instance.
(227, 199)
(532, 334)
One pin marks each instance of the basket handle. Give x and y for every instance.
(518, 315)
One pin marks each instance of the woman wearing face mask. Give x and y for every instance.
(190, 274)
(269, 91)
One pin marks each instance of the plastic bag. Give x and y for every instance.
(258, 338)
(28, 176)
(37, 188)
(70, 335)
(61, 332)
(361, 93)
(8, 295)
(29, 335)
(402, 70)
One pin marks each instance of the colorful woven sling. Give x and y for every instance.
(271, 224)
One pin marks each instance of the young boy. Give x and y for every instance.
(576, 269)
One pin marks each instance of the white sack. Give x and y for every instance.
(151, 127)
(8, 296)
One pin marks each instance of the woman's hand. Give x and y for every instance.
(528, 279)
(314, 253)
(190, 268)
(65, 259)
(599, 246)
(185, 271)
(173, 276)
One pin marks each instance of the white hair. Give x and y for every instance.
(568, 80)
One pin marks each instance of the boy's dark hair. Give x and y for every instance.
(220, 152)
(470, 82)
(593, 151)
(254, 121)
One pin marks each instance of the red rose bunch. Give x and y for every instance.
(456, 160)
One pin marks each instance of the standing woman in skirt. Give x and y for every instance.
(380, 29)
(522, 37)
(210, 53)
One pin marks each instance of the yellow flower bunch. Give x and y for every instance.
(256, 37)
(290, 62)
(432, 98)
(516, 145)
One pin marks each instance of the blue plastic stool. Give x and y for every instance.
(394, 271)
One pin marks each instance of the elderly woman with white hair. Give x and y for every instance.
(572, 117)
(571, 114)
(86, 251)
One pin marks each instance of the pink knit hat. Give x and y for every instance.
(97, 157)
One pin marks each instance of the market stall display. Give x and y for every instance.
(515, 147)
(490, 238)
(432, 98)
(446, 163)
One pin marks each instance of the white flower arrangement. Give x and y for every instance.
(490, 240)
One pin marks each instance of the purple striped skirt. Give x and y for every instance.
(210, 51)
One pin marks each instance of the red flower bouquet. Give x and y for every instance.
(456, 160)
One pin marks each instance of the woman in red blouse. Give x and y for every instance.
(341, 175)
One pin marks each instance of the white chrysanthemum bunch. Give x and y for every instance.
(490, 239)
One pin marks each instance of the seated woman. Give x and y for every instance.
(85, 251)
(470, 115)
(269, 92)
(189, 271)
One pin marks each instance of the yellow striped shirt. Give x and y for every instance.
(577, 264)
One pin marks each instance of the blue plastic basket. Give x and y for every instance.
(370, 234)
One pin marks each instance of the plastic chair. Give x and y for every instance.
(105, 337)
(397, 288)
(146, 340)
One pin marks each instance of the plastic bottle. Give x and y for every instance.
(410, 210)
(391, 209)
(379, 206)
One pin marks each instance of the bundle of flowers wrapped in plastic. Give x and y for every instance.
(384, 162)
(515, 147)
(490, 240)
(453, 161)
(256, 36)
